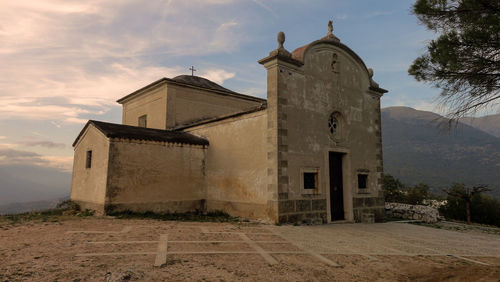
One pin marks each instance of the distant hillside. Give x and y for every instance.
(489, 124)
(14, 208)
(417, 149)
(23, 183)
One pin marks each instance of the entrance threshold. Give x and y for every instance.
(344, 221)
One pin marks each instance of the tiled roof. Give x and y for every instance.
(215, 119)
(200, 82)
(113, 130)
(194, 82)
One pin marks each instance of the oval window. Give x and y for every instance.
(333, 124)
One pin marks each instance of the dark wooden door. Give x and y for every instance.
(336, 187)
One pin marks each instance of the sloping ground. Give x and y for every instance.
(103, 249)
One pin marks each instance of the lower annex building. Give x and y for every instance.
(311, 151)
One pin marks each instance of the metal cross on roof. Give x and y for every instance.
(192, 69)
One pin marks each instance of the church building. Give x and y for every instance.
(311, 151)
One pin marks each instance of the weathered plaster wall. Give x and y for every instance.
(186, 105)
(305, 97)
(168, 105)
(155, 176)
(88, 186)
(153, 103)
(236, 168)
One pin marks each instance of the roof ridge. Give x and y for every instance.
(261, 107)
(222, 91)
(114, 130)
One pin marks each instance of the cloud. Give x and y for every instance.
(341, 17)
(70, 61)
(264, 6)
(378, 14)
(8, 146)
(217, 75)
(19, 157)
(46, 144)
(12, 156)
(63, 163)
(70, 99)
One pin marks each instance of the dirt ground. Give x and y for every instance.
(104, 249)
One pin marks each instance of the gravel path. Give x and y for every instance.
(103, 249)
(390, 239)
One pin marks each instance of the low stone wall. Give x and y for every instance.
(412, 212)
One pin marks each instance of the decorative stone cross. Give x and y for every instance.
(192, 69)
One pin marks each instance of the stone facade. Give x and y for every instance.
(311, 152)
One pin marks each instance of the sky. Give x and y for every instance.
(64, 62)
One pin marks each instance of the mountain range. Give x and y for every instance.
(489, 124)
(423, 147)
(31, 187)
(418, 147)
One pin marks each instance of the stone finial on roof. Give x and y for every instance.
(330, 35)
(280, 53)
(281, 50)
(372, 82)
(330, 28)
(281, 39)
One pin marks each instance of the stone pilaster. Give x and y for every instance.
(277, 126)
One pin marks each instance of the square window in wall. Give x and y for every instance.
(362, 181)
(88, 160)
(310, 180)
(143, 121)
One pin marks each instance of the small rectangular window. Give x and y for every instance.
(143, 121)
(88, 161)
(310, 179)
(362, 179)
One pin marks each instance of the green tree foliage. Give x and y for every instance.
(464, 61)
(417, 194)
(455, 206)
(483, 208)
(393, 189)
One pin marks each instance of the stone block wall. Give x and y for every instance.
(369, 207)
(412, 212)
(302, 210)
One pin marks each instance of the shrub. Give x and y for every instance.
(393, 189)
(483, 208)
(417, 194)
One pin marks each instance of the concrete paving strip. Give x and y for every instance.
(258, 249)
(231, 232)
(123, 242)
(125, 229)
(185, 242)
(161, 255)
(429, 241)
(432, 250)
(471, 260)
(272, 252)
(115, 254)
(436, 252)
(314, 254)
(369, 257)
